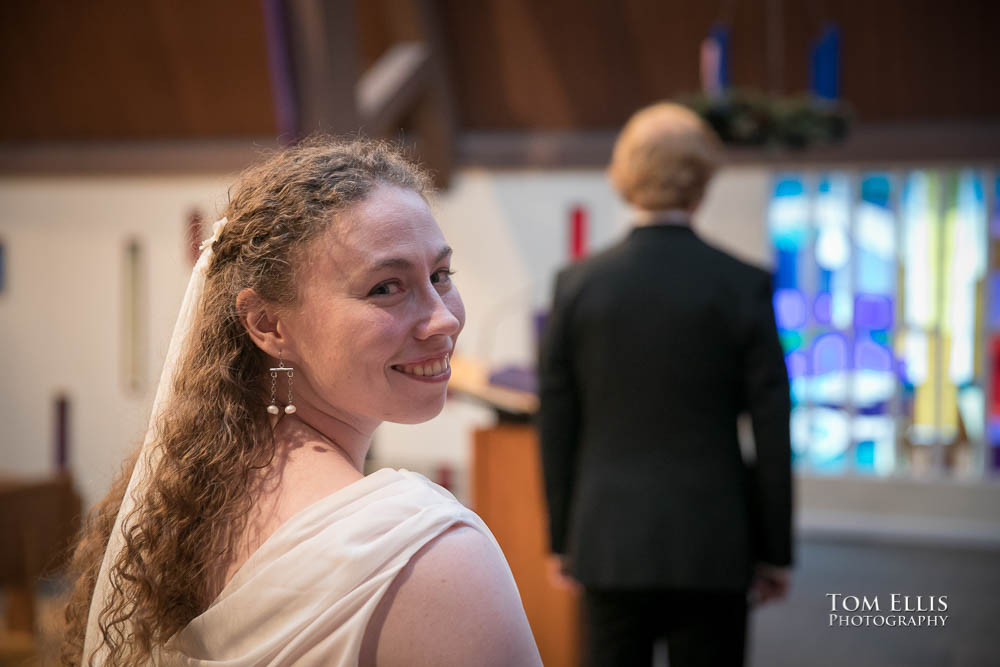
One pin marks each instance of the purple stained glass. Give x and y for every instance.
(790, 308)
(822, 308)
(880, 408)
(993, 432)
(797, 364)
(869, 355)
(829, 353)
(519, 378)
(872, 311)
(994, 300)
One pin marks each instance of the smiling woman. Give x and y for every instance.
(246, 534)
(377, 310)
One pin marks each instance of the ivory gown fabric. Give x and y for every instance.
(305, 596)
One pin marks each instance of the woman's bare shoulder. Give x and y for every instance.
(453, 604)
(295, 484)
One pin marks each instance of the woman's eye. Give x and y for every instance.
(442, 277)
(385, 289)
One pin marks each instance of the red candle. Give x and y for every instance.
(578, 232)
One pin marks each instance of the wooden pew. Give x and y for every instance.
(38, 520)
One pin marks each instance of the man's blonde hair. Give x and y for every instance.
(664, 158)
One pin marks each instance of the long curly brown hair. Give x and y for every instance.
(216, 436)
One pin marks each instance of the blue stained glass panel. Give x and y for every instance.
(876, 189)
(865, 451)
(822, 308)
(873, 311)
(790, 310)
(797, 364)
(829, 354)
(869, 355)
(995, 221)
(786, 276)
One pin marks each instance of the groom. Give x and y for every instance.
(653, 348)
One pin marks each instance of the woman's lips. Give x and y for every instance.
(440, 377)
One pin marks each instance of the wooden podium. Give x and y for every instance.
(507, 492)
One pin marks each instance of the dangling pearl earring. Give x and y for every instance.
(289, 372)
(289, 409)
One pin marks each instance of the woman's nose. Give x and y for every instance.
(440, 318)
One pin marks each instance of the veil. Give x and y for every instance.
(149, 455)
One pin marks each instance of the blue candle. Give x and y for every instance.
(824, 71)
(715, 60)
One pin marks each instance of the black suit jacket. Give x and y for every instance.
(652, 349)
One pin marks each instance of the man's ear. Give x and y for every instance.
(261, 321)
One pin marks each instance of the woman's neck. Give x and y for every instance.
(323, 431)
(308, 464)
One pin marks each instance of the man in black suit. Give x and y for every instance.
(652, 349)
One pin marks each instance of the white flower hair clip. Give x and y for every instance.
(216, 232)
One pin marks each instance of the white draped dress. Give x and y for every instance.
(306, 595)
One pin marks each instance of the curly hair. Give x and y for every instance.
(215, 437)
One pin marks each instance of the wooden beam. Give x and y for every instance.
(391, 87)
(435, 116)
(878, 145)
(279, 64)
(323, 35)
(131, 157)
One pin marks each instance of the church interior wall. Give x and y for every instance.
(64, 325)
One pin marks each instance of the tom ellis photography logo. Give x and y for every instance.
(897, 610)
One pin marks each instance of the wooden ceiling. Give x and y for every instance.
(576, 64)
(138, 69)
(155, 69)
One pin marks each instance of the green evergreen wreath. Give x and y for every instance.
(752, 118)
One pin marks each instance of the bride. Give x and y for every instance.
(244, 531)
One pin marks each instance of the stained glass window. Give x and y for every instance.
(880, 301)
(992, 351)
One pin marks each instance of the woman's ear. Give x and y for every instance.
(261, 321)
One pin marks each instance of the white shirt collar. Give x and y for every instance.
(670, 216)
